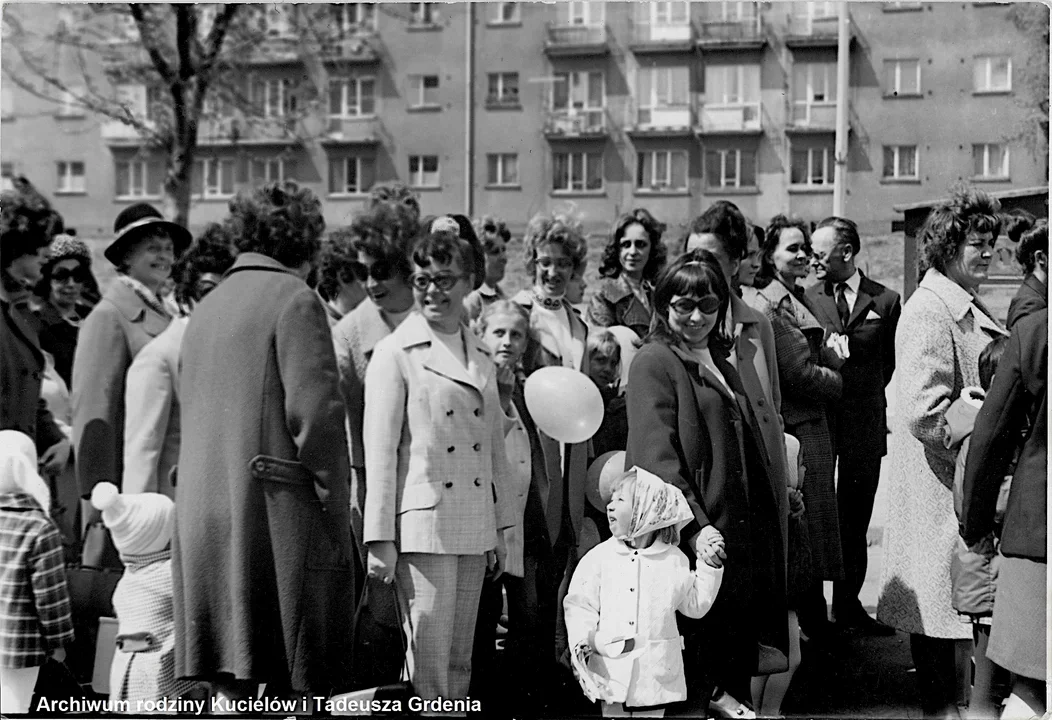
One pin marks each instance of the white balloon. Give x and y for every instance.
(603, 471)
(564, 403)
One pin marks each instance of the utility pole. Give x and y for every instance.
(469, 110)
(843, 74)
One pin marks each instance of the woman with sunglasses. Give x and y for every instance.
(690, 424)
(631, 261)
(381, 239)
(437, 500)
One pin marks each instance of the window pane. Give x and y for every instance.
(712, 168)
(595, 89)
(910, 76)
(511, 86)
(367, 88)
(560, 171)
(997, 160)
(227, 177)
(661, 169)
(491, 169)
(800, 82)
(979, 73)
(493, 83)
(351, 168)
(679, 170)
(748, 169)
(595, 171)
(680, 85)
(154, 178)
(999, 73)
(889, 161)
(978, 166)
(642, 169)
(908, 161)
(336, 97)
(414, 165)
(798, 170)
(123, 179)
(576, 171)
(511, 169)
(430, 163)
(197, 181)
(645, 82)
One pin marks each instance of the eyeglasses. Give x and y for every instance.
(444, 281)
(64, 275)
(380, 271)
(686, 306)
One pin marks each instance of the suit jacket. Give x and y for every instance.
(861, 414)
(151, 414)
(1017, 398)
(112, 335)
(21, 374)
(1031, 297)
(436, 471)
(614, 303)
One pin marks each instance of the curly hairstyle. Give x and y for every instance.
(489, 228)
(27, 222)
(1018, 224)
(724, 220)
(697, 273)
(211, 252)
(949, 224)
(386, 232)
(395, 193)
(280, 220)
(560, 229)
(466, 232)
(1034, 240)
(336, 262)
(444, 246)
(610, 266)
(772, 236)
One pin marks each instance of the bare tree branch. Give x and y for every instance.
(149, 44)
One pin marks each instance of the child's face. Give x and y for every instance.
(575, 289)
(505, 336)
(604, 366)
(619, 511)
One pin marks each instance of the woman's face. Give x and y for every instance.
(750, 264)
(496, 260)
(505, 336)
(792, 256)
(27, 268)
(554, 267)
(150, 260)
(575, 289)
(384, 286)
(692, 318)
(604, 366)
(439, 290)
(970, 267)
(634, 250)
(67, 282)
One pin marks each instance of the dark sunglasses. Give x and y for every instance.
(61, 276)
(380, 271)
(444, 281)
(686, 306)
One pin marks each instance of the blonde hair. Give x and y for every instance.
(668, 535)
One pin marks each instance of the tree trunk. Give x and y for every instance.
(177, 181)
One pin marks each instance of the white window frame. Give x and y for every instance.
(735, 11)
(499, 162)
(586, 13)
(418, 92)
(269, 166)
(811, 85)
(664, 184)
(661, 87)
(895, 168)
(421, 178)
(984, 66)
(828, 160)
(1004, 172)
(358, 162)
(351, 97)
(900, 72)
(211, 192)
(500, 17)
(366, 22)
(501, 97)
(582, 158)
(728, 157)
(136, 191)
(7, 176)
(423, 14)
(70, 182)
(661, 13)
(278, 97)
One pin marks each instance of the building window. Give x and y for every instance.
(506, 13)
(70, 177)
(351, 175)
(423, 171)
(502, 169)
(7, 176)
(812, 166)
(266, 170)
(275, 97)
(213, 178)
(990, 161)
(577, 172)
(582, 12)
(423, 13)
(902, 78)
(993, 73)
(503, 88)
(423, 91)
(661, 170)
(730, 169)
(138, 179)
(661, 89)
(900, 162)
(578, 101)
(69, 107)
(352, 97)
(814, 92)
(350, 18)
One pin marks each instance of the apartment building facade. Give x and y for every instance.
(515, 108)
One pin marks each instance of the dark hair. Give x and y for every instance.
(488, 228)
(611, 263)
(1017, 221)
(695, 273)
(1034, 240)
(772, 236)
(560, 229)
(989, 359)
(27, 222)
(395, 193)
(478, 259)
(335, 261)
(759, 234)
(280, 220)
(211, 252)
(90, 295)
(950, 223)
(724, 220)
(385, 232)
(846, 231)
(444, 247)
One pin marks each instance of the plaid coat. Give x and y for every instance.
(34, 605)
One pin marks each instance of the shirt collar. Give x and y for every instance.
(854, 281)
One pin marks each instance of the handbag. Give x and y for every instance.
(99, 552)
(377, 685)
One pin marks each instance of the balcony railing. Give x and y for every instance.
(660, 36)
(360, 130)
(661, 119)
(814, 115)
(809, 26)
(240, 130)
(721, 28)
(565, 39)
(731, 118)
(351, 47)
(115, 132)
(575, 122)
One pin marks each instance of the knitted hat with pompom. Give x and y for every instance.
(140, 523)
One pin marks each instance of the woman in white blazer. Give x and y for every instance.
(435, 468)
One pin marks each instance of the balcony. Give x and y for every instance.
(721, 30)
(653, 37)
(809, 31)
(357, 48)
(731, 119)
(220, 132)
(576, 40)
(116, 133)
(363, 130)
(276, 50)
(575, 123)
(813, 117)
(660, 121)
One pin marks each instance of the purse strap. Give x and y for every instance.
(401, 627)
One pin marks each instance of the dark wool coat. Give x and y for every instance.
(21, 371)
(263, 579)
(59, 337)
(614, 303)
(1031, 297)
(687, 429)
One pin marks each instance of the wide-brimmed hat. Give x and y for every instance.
(137, 219)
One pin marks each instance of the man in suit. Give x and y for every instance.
(848, 303)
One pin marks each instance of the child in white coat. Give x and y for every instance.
(622, 602)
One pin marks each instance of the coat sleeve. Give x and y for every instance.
(99, 366)
(801, 377)
(770, 351)
(993, 442)
(147, 408)
(313, 410)
(601, 311)
(889, 327)
(504, 492)
(385, 409)
(50, 593)
(49, 430)
(701, 589)
(653, 442)
(581, 604)
(925, 352)
(1024, 303)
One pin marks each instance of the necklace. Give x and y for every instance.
(547, 303)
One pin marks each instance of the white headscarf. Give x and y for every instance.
(18, 468)
(656, 505)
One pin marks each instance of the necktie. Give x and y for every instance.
(841, 303)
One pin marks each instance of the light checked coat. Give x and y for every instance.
(435, 465)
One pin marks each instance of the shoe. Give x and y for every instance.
(862, 624)
(724, 705)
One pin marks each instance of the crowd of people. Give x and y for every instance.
(269, 424)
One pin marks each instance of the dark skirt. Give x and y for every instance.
(823, 524)
(1018, 635)
(798, 574)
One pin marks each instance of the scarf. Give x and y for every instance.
(146, 295)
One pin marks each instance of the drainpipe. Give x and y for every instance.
(469, 112)
(843, 72)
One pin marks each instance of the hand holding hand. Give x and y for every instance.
(796, 503)
(55, 457)
(383, 558)
(985, 546)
